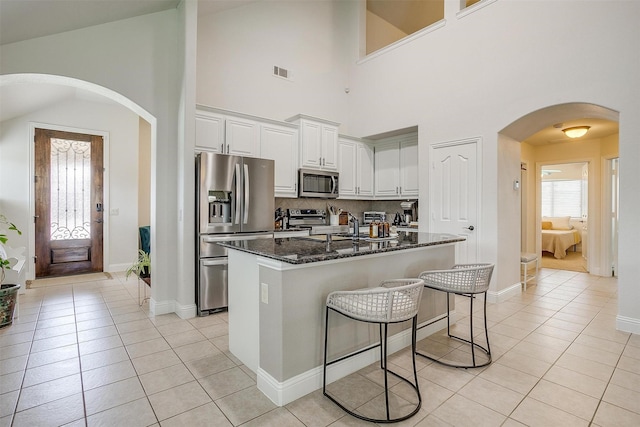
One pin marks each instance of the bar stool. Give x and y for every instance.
(526, 259)
(394, 301)
(467, 280)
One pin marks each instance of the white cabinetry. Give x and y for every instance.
(227, 134)
(209, 131)
(280, 143)
(242, 137)
(356, 168)
(396, 167)
(318, 142)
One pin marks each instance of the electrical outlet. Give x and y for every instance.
(114, 211)
(264, 293)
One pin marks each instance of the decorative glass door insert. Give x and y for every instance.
(70, 189)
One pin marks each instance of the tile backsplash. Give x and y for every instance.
(356, 207)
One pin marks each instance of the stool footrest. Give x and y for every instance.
(453, 365)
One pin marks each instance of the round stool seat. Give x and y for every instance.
(528, 257)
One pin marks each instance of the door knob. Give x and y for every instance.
(471, 228)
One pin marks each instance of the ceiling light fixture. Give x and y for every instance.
(576, 131)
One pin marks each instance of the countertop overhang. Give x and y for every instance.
(303, 250)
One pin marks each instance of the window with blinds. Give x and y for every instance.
(562, 198)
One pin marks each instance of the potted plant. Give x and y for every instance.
(142, 269)
(8, 292)
(142, 266)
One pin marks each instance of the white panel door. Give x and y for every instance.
(210, 132)
(364, 181)
(409, 168)
(242, 137)
(280, 144)
(453, 195)
(348, 169)
(311, 147)
(387, 167)
(329, 148)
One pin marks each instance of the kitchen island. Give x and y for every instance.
(277, 293)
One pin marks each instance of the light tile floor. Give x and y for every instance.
(86, 354)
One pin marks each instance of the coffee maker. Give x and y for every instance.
(409, 211)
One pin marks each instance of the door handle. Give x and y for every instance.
(238, 195)
(246, 181)
(99, 207)
(471, 228)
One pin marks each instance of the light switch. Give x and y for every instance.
(264, 293)
(114, 211)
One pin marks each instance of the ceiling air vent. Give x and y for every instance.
(281, 72)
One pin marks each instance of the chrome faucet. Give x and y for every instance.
(356, 227)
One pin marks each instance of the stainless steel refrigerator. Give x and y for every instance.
(234, 201)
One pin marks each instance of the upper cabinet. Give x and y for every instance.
(396, 167)
(209, 131)
(318, 142)
(280, 143)
(356, 168)
(227, 134)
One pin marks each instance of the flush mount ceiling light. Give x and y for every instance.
(576, 131)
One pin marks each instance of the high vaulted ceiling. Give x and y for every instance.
(27, 19)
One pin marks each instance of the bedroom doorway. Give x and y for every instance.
(564, 207)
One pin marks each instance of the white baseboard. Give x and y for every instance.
(186, 311)
(115, 268)
(628, 324)
(161, 307)
(294, 388)
(504, 294)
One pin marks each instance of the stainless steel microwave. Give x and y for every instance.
(317, 183)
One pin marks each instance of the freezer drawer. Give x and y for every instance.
(212, 285)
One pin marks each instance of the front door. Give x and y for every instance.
(453, 194)
(68, 203)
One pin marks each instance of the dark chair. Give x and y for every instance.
(145, 238)
(467, 280)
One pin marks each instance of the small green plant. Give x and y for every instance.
(142, 266)
(4, 263)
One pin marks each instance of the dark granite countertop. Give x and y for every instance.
(302, 250)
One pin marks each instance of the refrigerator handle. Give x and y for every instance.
(238, 200)
(246, 193)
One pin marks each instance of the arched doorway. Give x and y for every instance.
(43, 91)
(541, 121)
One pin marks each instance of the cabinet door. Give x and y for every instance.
(387, 166)
(311, 145)
(364, 180)
(242, 137)
(280, 144)
(347, 152)
(210, 132)
(409, 168)
(329, 147)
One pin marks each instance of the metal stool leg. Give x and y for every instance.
(384, 357)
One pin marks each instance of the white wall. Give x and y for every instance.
(140, 59)
(237, 50)
(122, 169)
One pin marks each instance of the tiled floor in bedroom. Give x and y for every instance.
(86, 354)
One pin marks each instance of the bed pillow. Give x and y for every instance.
(547, 225)
(559, 222)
